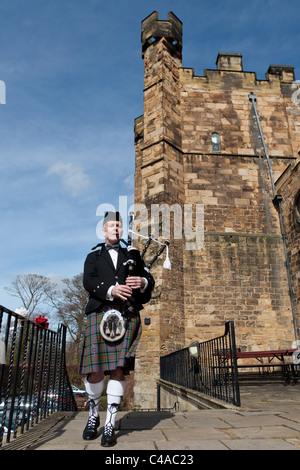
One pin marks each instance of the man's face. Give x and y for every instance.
(112, 232)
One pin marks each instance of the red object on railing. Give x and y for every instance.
(42, 321)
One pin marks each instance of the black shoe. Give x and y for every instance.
(90, 431)
(108, 438)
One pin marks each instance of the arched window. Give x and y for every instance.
(215, 141)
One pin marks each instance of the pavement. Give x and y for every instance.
(269, 419)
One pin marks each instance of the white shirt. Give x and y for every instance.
(114, 257)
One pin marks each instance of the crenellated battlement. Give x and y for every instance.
(154, 29)
(230, 73)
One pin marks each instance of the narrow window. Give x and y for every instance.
(215, 141)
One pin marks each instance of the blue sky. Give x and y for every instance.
(74, 85)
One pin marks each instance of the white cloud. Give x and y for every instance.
(73, 177)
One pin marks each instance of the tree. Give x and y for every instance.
(33, 290)
(70, 304)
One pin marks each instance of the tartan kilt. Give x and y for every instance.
(99, 355)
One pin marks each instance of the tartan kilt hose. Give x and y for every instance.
(99, 355)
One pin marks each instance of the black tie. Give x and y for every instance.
(112, 247)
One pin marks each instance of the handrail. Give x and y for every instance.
(214, 372)
(33, 378)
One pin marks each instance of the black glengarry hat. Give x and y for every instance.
(112, 216)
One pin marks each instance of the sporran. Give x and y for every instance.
(113, 326)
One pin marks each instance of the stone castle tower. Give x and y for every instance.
(198, 147)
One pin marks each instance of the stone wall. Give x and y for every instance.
(288, 186)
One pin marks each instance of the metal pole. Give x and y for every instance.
(253, 98)
(158, 397)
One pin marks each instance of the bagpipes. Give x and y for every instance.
(135, 261)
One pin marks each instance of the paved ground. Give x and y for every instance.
(269, 419)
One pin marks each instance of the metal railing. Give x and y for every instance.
(213, 372)
(33, 378)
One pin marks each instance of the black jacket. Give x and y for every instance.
(99, 274)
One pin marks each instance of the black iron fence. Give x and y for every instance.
(33, 379)
(212, 369)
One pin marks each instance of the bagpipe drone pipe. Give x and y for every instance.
(135, 262)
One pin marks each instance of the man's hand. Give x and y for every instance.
(122, 292)
(135, 282)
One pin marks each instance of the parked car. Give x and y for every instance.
(78, 393)
(15, 417)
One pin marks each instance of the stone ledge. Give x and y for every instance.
(188, 399)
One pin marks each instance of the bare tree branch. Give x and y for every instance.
(32, 289)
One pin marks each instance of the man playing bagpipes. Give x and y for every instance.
(118, 285)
